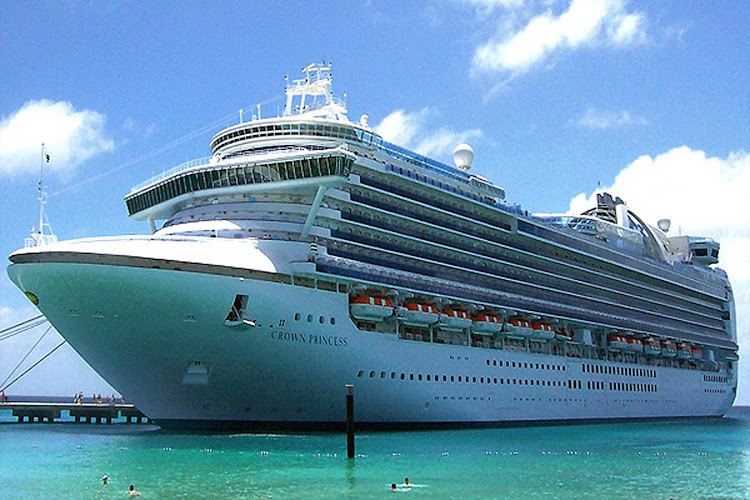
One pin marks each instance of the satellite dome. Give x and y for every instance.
(463, 155)
(364, 120)
(664, 224)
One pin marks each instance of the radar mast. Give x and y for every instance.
(38, 236)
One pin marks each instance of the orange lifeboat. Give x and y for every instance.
(684, 351)
(416, 314)
(518, 328)
(668, 349)
(487, 324)
(454, 319)
(542, 331)
(367, 308)
(617, 343)
(697, 352)
(651, 347)
(634, 344)
(564, 334)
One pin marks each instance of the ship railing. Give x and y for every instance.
(174, 170)
(422, 161)
(40, 240)
(591, 226)
(207, 160)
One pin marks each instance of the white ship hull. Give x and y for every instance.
(151, 328)
(248, 307)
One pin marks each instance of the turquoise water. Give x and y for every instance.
(695, 459)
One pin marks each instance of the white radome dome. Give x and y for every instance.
(463, 155)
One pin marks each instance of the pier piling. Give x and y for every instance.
(350, 421)
(88, 413)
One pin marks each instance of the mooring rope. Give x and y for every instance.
(27, 370)
(27, 355)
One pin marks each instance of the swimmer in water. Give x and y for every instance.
(393, 486)
(407, 485)
(105, 479)
(133, 492)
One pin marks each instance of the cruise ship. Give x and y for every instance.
(307, 254)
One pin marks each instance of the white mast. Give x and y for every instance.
(316, 86)
(38, 238)
(41, 199)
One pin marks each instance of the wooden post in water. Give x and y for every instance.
(350, 421)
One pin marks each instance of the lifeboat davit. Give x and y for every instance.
(454, 319)
(684, 351)
(368, 308)
(668, 349)
(634, 344)
(415, 314)
(518, 328)
(651, 347)
(617, 343)
(487, 324)
(697, 352)
(542, 331)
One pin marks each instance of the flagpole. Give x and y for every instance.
(41, 199)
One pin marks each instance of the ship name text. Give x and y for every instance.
(303, 338)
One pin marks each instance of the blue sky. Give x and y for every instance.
(647, 99)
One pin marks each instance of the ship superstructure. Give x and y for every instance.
(308, 253)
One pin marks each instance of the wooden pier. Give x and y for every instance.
(90, 413)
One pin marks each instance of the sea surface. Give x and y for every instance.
(665, 459)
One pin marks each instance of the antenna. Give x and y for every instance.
(41, 198)
(38, 238)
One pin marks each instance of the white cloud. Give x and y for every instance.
(627, 29)
(70, 137)
(415, 131)
(703, 196)
(602, 120)
(586, 22)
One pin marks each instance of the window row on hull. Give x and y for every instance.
(549, 240)
(504, 248)
(580, 290)
(570, 301)
(442, 281)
